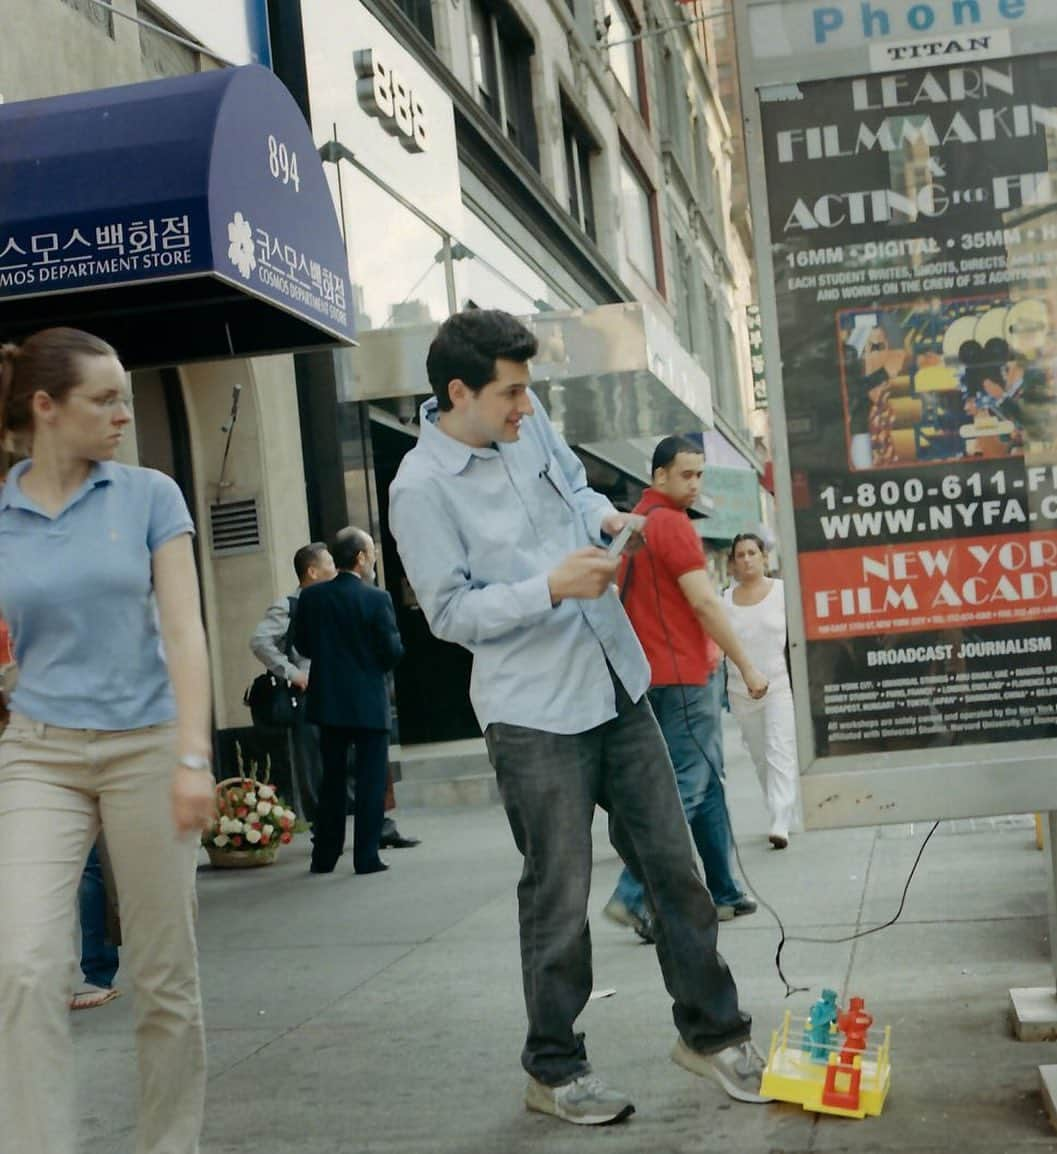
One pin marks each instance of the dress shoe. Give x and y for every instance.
(394, 839)
(777, 840)
(377, 868)
(318, 868)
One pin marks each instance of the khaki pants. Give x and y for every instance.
(57, 787)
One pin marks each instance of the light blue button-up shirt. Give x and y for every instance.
(478, 530)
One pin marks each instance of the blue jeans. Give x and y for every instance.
(550, 784)
(99, 960)
(690, 719)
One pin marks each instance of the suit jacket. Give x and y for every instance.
(348, 630)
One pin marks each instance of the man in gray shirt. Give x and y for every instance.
(501, 538)
(312, 563)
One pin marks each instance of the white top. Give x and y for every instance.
(761, 630)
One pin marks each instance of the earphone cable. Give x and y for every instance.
(790, 989)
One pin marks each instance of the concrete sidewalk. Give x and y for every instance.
(384, 1014)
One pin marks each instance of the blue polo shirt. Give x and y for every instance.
(77, 591)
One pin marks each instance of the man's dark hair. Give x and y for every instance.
(466, 347)
(349, 544)
(306, 557)
(670, 448)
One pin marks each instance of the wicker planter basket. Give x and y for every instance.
(227, 858)
(241, 859)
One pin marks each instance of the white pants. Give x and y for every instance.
(57, 787)
(768, 729)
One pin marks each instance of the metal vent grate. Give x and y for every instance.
(234, 527)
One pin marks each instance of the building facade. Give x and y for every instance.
(568, 161)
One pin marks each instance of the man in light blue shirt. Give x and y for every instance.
(501, 538)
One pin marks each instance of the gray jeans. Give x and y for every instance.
(550, 784)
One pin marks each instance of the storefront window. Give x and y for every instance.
(396, 260)
(420, 13)
(489, 274)
(683, 304)
(640, 209)
(625, 56)
(501, 51)
(677, 107)
(579, 148)
(485, 73)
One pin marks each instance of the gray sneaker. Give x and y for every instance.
(585, 1101)
(616, 911)
(738, 1069)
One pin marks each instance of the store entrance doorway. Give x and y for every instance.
(433, 680)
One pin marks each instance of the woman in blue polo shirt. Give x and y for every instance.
(107, 729)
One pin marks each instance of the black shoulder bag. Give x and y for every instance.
(273, 702)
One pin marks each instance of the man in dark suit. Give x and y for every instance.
(347, 627)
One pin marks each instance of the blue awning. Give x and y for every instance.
(180, 219)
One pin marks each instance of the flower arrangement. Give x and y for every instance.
(251, 822)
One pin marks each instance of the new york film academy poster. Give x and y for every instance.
(913, 220)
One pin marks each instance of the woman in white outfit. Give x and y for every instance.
(756, 605)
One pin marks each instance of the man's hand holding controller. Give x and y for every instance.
(586, 574)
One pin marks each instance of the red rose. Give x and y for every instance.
(286, 838)
(241, 811)
(236, 841)
(266, 836)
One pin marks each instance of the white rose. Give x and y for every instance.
(250, 799)
(290, 814)
(266, 792)
(235, 826)
(264, 808)
(225, 825)
(253, 836)
(221, 840)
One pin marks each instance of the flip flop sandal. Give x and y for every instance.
(91, 998)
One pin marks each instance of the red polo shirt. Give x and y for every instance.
(678, 649)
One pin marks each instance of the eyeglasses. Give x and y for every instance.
(877, 346)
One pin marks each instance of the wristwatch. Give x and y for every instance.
(194, 761)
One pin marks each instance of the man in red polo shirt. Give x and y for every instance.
(682, 625)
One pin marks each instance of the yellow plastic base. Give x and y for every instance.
(791, 1076)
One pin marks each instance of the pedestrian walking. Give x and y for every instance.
(501, 538)
(682, 625)
(756, 604)
(99, 952)
(108, 731)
